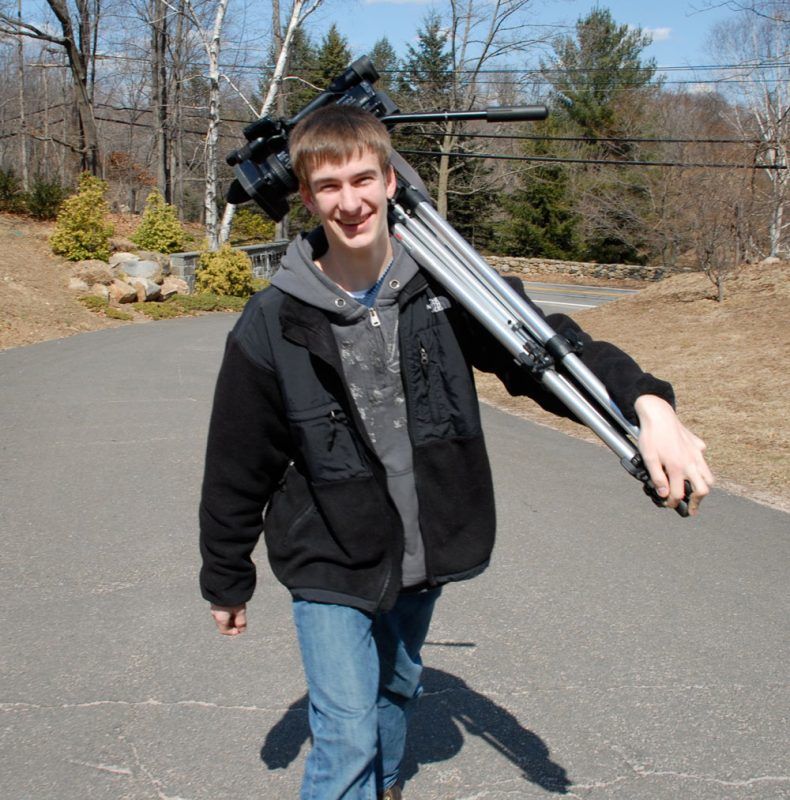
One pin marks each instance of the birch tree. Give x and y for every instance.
(300, 11)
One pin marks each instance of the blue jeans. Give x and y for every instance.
(363, 676)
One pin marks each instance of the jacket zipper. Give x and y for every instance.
(375, 321)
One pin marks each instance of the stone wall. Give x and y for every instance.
(545, 266)
(265, 261)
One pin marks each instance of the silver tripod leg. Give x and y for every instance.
(519, 308)
(450, 273)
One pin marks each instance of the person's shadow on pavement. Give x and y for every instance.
(447, 710)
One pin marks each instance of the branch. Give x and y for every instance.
(18, 28)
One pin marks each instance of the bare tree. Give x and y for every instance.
(78, 40)
(759, 89)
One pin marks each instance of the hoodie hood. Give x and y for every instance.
(300, 277)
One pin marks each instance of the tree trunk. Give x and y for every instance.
(298, 16)
(159, 95)
(212, 134)
(22, 118)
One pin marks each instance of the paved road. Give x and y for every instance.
(611, 651)
(567, 298)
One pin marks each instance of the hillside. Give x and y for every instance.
(728, 361)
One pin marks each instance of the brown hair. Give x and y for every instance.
(336, 134)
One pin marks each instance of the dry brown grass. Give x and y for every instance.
(727, 361)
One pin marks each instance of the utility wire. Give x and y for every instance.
(538, 137)
(606, 162)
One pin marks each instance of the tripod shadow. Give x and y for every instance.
(447, 712)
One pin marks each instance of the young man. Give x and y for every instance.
(345, 406)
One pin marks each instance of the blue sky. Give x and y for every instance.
(679, 32)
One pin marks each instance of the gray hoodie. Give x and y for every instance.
(368, 344)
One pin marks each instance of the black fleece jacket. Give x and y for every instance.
(286, 437)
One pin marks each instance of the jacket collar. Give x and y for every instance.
(308, 326)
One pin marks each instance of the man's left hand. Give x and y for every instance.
(672, 453)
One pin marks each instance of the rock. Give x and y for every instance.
(163, 259)
(121, 243)
(100, 290)
(123, 257)
(172, 285)
(122, 292)
(771, 260)
(143, 269)
(146, 289)
(78, 285)
(93, 271)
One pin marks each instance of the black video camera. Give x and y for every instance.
(263, 166)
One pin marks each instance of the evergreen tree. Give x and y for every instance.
(541, 220)
(427, 76)
(332, 58)
(425, 84)
(385, 61)
(596, 71)
(601, 87)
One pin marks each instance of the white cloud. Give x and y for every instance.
(659, 34)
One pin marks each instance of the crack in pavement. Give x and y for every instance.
(138, 704)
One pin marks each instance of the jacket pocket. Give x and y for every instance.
(328, 443)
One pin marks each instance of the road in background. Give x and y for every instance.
(612, 651)
(567, 298)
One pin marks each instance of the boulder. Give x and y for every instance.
(121, 243)
(146, 289)
(771, 260)
(172, 285)
(142, 269)
(100, 290)
(93, 271)
(121, 258)
(163, 259)
(122, 292)
(78, 285)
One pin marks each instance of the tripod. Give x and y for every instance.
(534, 345)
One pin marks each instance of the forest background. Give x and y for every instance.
(630, 166)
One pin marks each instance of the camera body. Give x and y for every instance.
(263, 166)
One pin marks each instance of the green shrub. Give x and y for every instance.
(166, 310)
(45, 199)
(250, 227)
(116, 313)
(231, 303)
(12, 197)
(259, 284)
(93, 302)
(159, 229)
(189, 303)
(225, 272)
(81, 231)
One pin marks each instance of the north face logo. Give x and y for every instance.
(438, 304)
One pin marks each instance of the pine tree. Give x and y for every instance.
(595, 72)
(332, 58)
(385, 60)
(425, 84)
(601, 86)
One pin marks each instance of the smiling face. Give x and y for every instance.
(350, 199)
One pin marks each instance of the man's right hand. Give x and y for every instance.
(231, 620)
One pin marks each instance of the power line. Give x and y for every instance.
(538, 137)
(604, 162)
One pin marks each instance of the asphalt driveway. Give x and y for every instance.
(612, 650)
